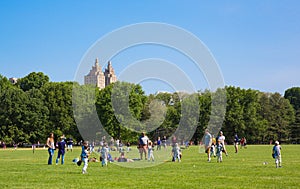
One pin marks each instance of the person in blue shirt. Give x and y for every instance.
(85, 156)
(276, 153)
(236, 143)
(61, 150)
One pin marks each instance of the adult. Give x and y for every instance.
(158, 143)
(236, 143)
(143, 144)
(70, 144)
(207, 143)
(164, 142)
(61, 150)
(276, 153)
(222, 140)
(51, 147)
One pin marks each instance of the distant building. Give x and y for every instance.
(13, 80)
(98, 78)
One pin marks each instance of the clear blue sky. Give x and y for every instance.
(256, 43)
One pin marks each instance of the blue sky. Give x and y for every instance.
(256, 43)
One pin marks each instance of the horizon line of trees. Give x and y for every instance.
(35, 106)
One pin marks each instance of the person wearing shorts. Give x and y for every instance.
(207, 143)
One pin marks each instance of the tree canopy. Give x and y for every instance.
(35, 106)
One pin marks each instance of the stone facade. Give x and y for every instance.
(99, 78)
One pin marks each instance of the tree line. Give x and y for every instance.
(35, 106)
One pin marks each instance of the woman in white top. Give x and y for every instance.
(222, 141)
(51, 147)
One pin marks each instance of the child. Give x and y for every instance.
(84, 156)
(104, 154)
(219, 149)
(176, 152)
(277, 154)
(213, 150)
(150, 151)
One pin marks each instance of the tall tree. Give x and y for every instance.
(33, 80)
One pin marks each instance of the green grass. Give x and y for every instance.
(22, 169)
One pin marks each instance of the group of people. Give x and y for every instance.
(61, 146)
(216, 146)
(146, 146)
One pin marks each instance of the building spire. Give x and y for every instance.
(96, 62)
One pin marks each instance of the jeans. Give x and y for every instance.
(51, 153)
(62, 157)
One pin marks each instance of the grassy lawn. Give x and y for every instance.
(22, 169)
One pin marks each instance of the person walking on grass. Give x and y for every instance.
(51, 147)
(222, 140)
(61, 150)
(276, 153)
(84, 156)
(207, 144)
(219, 149)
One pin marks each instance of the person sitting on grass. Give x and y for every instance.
(122, 158)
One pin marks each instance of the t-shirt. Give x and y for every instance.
(61, 146)
(276, 150)
(104, 152)
(222, 139)
(144, 140)
(84, 152)
(207, 139)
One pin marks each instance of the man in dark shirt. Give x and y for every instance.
(61, 151)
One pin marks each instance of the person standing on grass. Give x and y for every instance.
(276, 153)
(236, 143)
(207, 144)
(143, 144)
(61, 150)
(158, 143)
(51, 147)
(164, 142)
(176, 152)
(222, 140)
(150, 151)
(70, 144)
(104, 154)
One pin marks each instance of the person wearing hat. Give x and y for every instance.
(276, 153)
(222, 140)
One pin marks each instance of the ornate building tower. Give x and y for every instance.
(110, 76)
(95, 76)
(98, 78)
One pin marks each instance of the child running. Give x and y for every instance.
(84, 156)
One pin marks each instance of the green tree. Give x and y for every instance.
(33, 80)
